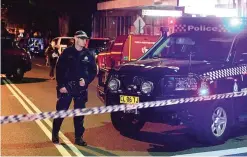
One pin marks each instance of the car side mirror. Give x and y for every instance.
(242, 59)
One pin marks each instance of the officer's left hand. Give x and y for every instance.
(82, 82)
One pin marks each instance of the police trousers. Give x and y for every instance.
(63, 103)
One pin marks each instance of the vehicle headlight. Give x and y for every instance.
(187, 83)
(147, 87)
(114, 84)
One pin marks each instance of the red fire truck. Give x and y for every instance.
(125, 48)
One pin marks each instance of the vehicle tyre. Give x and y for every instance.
(214, 126)
(18, 75)
(127, 123)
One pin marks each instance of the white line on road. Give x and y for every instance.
(219, 153)
(39, 65)
(60, 148)
(48, 122)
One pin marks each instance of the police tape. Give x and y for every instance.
(213, 75)
(115, 108)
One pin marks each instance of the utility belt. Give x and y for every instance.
(74, 89)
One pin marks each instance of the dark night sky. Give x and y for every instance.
(44, 13)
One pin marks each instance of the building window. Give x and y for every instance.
(127, 24)
(122, 25)
(118, 26)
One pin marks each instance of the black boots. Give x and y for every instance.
(55, 139)
(80, 142)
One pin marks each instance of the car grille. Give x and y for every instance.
(128, 81)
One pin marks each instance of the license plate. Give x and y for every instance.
(128, 99)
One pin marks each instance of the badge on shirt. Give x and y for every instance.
(86, 58)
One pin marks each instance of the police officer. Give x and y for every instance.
(76, 69)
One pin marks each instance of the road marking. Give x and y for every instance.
(39, 65)
(234, 151)
(60, 148)
(49, 123)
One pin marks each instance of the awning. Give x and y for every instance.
(124, 4)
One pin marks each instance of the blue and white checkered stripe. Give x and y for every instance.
(180, 28)
(115, 108)
(218, 74)
(184, 28)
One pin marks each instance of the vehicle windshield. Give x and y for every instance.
(66, 41)
(202, 48)
(94, 43)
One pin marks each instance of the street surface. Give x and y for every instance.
(37, 94)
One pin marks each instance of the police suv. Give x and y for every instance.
(172, 69)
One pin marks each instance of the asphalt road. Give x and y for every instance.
(37, 94)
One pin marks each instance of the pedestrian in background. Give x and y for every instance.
(76, 69)
(52, 55)
(71, 42)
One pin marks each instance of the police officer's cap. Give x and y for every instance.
(81, 34)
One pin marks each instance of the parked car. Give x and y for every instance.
(15, 61)
(173, 68)
(63, 42)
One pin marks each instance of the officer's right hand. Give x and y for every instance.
(63, 90)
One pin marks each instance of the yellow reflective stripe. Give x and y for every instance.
(109, 53)
(116, 53)
(102, 54)
(129, 46)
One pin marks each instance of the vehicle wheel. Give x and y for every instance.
(127, 123)
(214, 127)
(19, 74)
